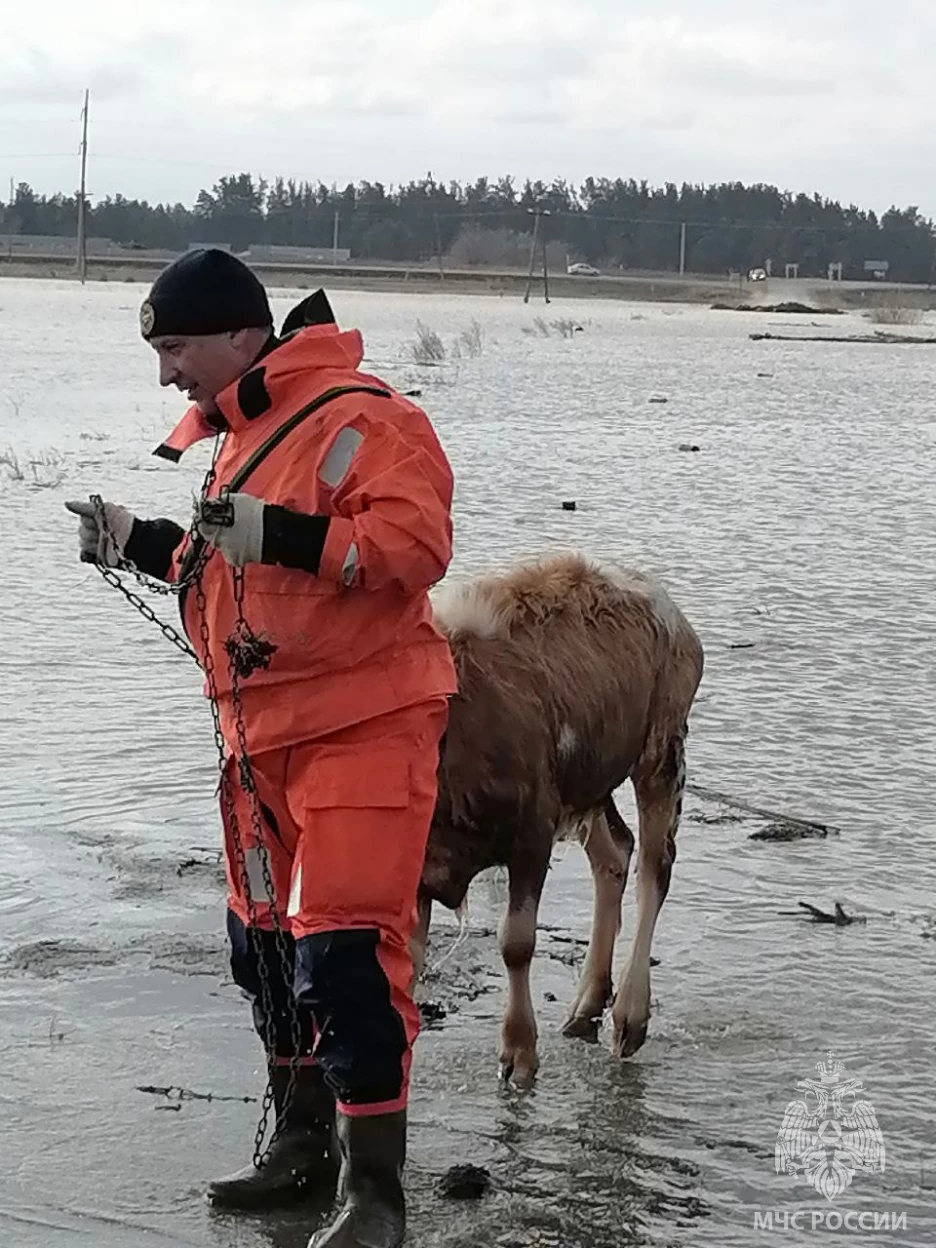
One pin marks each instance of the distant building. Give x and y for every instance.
(271, 253)
(65, 246)
(878, 268)
(216, 246)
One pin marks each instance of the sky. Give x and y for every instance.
(832, 96)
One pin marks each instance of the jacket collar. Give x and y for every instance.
(266, 383)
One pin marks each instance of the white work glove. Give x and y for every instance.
(95, 545)
(241, 541)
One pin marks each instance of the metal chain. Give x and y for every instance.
(227, 803)
(196, 543)
(246, 652)
(147, 612)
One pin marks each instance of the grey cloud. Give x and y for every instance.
(662, 89)
(46, 81)
(725, 77)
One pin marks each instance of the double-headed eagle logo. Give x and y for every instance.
(830, 1135)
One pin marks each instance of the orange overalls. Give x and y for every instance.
(343, 726)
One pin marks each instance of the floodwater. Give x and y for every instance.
(799, 541)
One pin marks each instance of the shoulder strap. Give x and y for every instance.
(292, 422)
(272, 442)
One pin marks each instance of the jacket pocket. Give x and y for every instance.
(362, 844)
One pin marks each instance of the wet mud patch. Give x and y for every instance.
(182, 955)
(139, 876)
(48, 958)
(584, 1202)
(458, 971)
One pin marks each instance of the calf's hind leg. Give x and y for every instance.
(609, 843)
(659, 780)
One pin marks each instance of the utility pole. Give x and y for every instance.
(545, 272)
(335, 237)
(682, 250)
(82, 220)
(438, 234)
(536, 213)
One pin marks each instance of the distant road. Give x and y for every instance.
(693, 288)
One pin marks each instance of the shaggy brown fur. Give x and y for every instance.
(572, 679)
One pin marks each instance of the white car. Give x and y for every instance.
(757, 275)
(582, 270)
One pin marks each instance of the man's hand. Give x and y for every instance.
(240, 540)
(96, 545)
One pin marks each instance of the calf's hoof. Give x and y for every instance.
(518, 1069)
(629, 1036)
(583, 1027)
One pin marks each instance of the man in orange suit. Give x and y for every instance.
(329, 522)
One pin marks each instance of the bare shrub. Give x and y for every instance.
(45, 478)
(540, 326)
(49, 458)
(428, 348)
(892, 312)
(565, 328)
(46, 468)
(11, 462)
(471, 341)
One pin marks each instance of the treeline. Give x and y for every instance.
(609, 223)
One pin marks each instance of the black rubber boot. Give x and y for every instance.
(303, 1160)
(373, 1151)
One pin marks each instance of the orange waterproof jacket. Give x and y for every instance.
(357, 640)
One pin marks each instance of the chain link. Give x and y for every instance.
(246, 653)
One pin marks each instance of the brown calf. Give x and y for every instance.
(573, 678)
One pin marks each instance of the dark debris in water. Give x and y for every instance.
(176, 1095)
(783, 831)
(838, 917)
(212, 863)
(787, 306)
(722, 817)
(810, 827)
(432, 1013)
(464, 1182)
